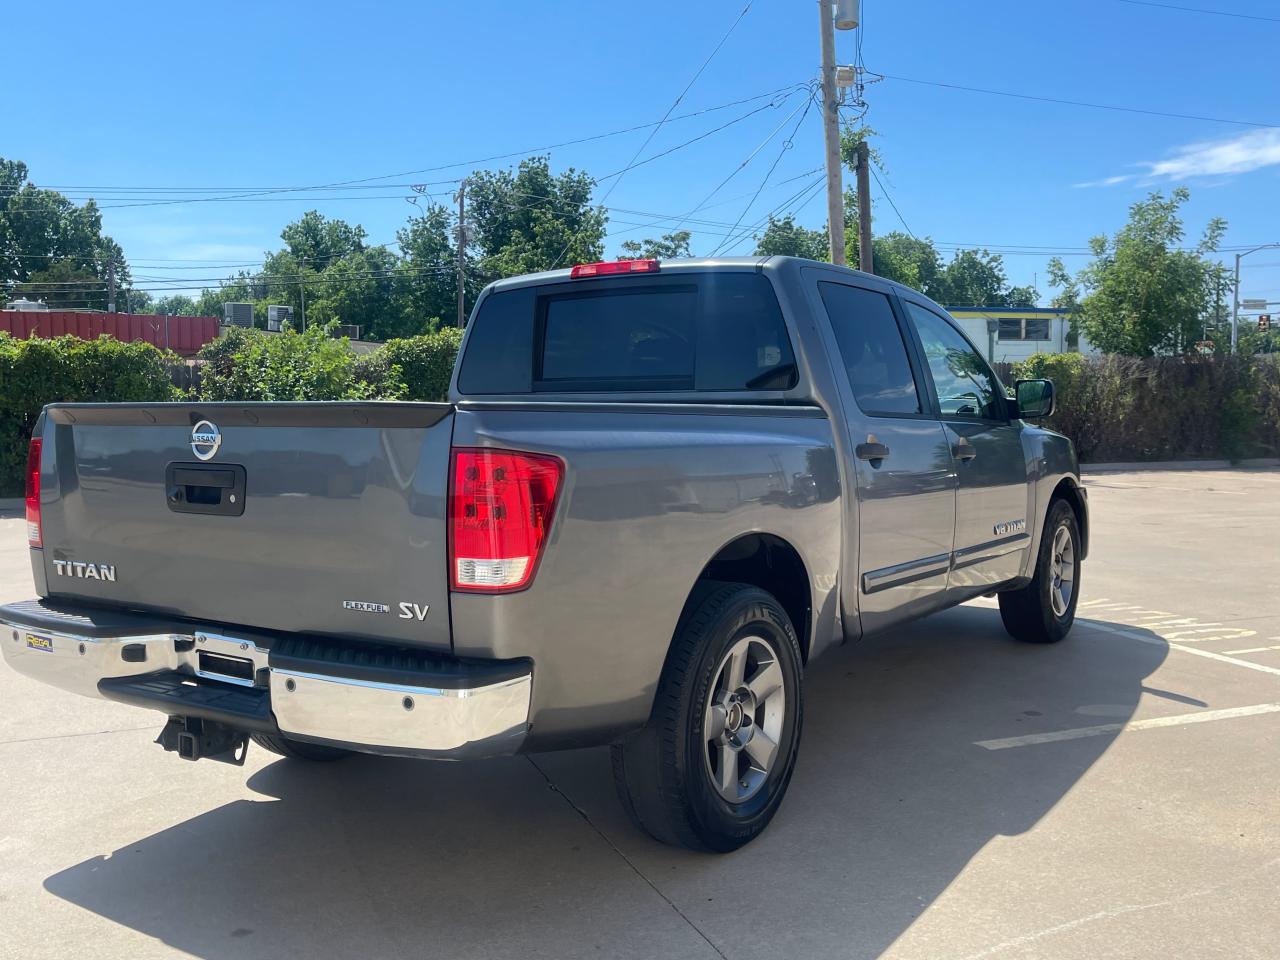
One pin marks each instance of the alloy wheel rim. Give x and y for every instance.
(1062, 571)
(742, 719)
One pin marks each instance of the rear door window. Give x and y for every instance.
(713, 331)
(872, 349)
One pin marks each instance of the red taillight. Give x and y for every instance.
(613, 266)
(34, 536)
(500, 509)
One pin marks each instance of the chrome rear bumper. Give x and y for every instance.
(364, 710)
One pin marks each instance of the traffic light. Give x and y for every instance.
(1264, 323)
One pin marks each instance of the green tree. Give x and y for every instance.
(316, 241)
(783, 237)
(428, 287)
(1144, 295)
(670, 246)
(973, 278)
(64, 286)
(359, 289)
(178, 305)
(1067, 299)
(901, 257)
(49, 244)
(532, 219)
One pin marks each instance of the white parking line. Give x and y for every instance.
(1153, 723)
(1251, 650)
(1194, 651)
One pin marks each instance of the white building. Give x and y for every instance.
(1006, 335)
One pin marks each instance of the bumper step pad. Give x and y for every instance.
(180, 696)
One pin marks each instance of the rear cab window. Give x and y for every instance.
(687, 331)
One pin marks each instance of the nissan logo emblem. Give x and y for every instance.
(205, 439)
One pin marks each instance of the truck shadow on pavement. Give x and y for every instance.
(891, 799)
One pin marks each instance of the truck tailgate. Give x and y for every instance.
(324, 518)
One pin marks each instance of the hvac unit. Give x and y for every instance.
(26, 305)
(278, 315)
(237, 314)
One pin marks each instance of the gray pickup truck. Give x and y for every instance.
(657, 494)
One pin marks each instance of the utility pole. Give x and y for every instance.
(1235, 307)
(111, 285)
(462, 254)
(831, 134)
(864, 209)
(302, 292)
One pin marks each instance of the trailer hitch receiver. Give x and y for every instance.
(193, 738)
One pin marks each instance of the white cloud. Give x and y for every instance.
(1106, 182)
(1249, 151)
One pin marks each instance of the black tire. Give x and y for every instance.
(664, 774)
(1028, 613)
(298, 749)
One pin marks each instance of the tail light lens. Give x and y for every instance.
(500, 509)
(35, 537)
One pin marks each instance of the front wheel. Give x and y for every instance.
(1044, 610)
(710, 769)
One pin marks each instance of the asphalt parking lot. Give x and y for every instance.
(957, 796)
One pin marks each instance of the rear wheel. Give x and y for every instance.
(298, 749)
(710, 769)
(1044, 610)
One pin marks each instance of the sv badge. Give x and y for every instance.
(413, 611)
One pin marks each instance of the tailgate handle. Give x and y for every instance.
(190, 477)
(205, 488)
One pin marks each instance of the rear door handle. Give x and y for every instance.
(871, 450)
(964, 450)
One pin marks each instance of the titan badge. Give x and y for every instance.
(85, 571)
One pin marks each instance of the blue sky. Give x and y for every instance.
(267, 95)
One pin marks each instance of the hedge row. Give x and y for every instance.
(35, 372)
(243, 365)
(1127, 409)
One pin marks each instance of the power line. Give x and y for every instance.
(653, 133)
(745, 161)
(797, 202)
(1216, 13)
(777, 102)
(786, 145)
(675, 103)
(1077, 103)
(885, 193)
(502, 156)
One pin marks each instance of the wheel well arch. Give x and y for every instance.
(1068, 490)
(771, 563)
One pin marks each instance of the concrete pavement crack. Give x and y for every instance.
(85, 733)
(625, 859)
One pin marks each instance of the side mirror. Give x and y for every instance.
(1035, 399)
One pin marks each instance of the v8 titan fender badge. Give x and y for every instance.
(1010, 526)
(206, 438)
